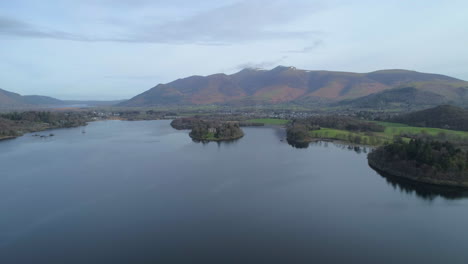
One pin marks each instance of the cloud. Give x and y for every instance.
(233, 23)
(238, 22)
(260, 65)
(13, 27)
(307, 49)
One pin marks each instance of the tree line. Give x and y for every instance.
(298, 131)
(16, 123)
(439, 155)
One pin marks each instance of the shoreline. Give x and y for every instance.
(40, 130)
(9, 137)
(215, 140)
(378, 167)
(331, 140)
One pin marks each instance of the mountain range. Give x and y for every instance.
(14, 100)
(383, 89)
(10, 100)
(288, 85)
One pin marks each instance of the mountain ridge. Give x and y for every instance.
(10, 100)
(287, 84)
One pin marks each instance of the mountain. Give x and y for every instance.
(290, 85)
(14, 100)
(444, 116)
(10, 100)
(398, 98)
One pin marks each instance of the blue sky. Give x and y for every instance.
(114, 49)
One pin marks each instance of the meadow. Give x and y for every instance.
(391, 131)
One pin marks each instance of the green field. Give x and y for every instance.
(344, 135)
(269, 121)
(379, 138)
(392, 129)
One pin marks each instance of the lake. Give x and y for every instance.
(142, 192)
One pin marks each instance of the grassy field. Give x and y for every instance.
(392, 129)
(269, 121)
(344, 135)
(379, 138)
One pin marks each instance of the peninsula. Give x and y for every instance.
(423, 161)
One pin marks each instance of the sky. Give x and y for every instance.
(116, 49)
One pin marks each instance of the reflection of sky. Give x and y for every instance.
(117, 49)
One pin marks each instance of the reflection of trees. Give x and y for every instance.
(424, 190)
(223, 142)
(323, 143)
(299, 145)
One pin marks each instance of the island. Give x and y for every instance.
(426, 161)
(209, 130)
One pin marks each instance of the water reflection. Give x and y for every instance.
(423, 190)
(223, 142)
(299, 145)
(356, 148)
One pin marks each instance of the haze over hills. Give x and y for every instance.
(14, 100)
(384, 89)
(290, 85)
(10, 100)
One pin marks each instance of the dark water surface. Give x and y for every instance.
(142, 192)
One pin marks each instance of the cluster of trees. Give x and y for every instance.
(459, 140)
(200, 129)
(17, 123)
(439, 155)
(184, 123)
(366, 139)
(133, 115)
(215, 130)
(55, 119)
(228, 130)
(7, 131)
(32, 116)
(421, 160)
(343, 123)
(299, 130)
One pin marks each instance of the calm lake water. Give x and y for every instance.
(142, 192)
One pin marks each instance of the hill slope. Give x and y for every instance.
(14, 100)
(401, 98)
(444, 116)
(291, 85)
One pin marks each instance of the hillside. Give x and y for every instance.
(399, 98)
(290, 85)
(14, 100)
(444, 116)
